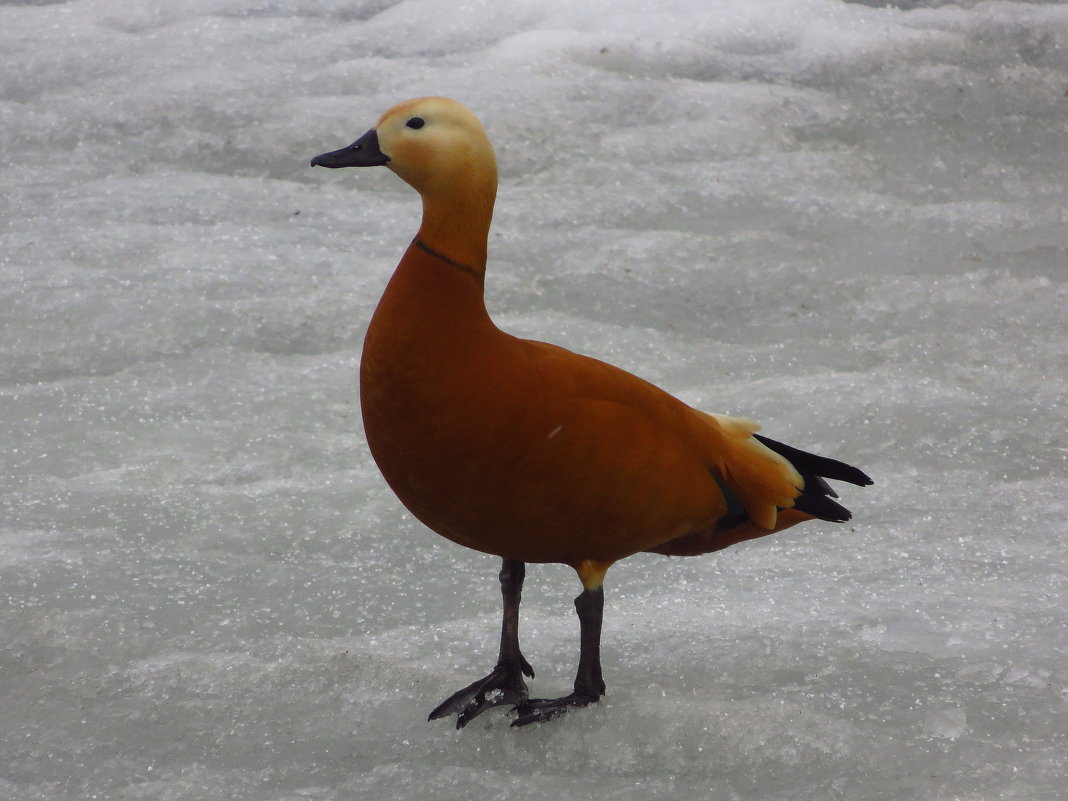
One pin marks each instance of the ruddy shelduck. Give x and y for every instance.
(527, 450)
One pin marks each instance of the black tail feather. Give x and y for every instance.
(818, 505)
(816, 498)
(806, 462)
(825, 488)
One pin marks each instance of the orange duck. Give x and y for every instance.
(527, 450)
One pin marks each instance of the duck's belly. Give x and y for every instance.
(523, 478)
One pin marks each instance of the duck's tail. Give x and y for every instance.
(752, 514)
(815, 499)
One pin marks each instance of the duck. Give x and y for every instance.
(531, 452)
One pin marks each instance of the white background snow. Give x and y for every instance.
(845, 221)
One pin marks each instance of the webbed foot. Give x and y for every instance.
(538, 710)
(504, 686)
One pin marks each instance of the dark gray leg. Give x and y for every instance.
(505, 684)
(589, 685)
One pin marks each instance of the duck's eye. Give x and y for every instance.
(416, 122)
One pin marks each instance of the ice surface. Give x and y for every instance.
(845, 220)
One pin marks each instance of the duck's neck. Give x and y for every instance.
(456, 223)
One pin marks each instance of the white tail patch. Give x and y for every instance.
(763, 480)
(744, 429)
(738, 426)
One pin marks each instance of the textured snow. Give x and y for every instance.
(844, 220)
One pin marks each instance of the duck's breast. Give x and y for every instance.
(522, 449)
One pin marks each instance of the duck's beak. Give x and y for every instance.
(364, 152)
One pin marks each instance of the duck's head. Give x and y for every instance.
(435, 144)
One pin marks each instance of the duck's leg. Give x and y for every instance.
(589, 685)
(505, 684)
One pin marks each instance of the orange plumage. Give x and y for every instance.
(527, 450)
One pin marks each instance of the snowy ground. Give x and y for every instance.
(845, 221)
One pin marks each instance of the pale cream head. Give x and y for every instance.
(434, 143)
(439, 147)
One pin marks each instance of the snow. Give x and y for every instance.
(844, 220)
